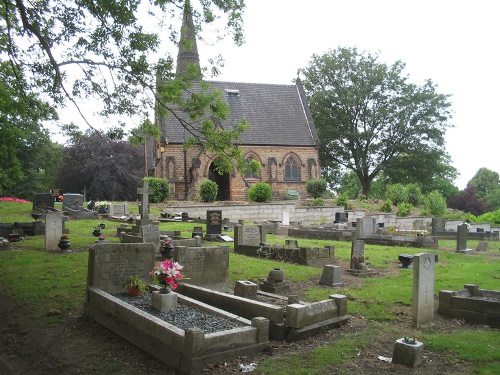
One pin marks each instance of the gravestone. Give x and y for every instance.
(214, 223)
(110, 264)
(118, 209)
(423, 289)
(357, 250)
(204, 266)
(462, 239)
(366, 227)
(331, 275)
(438, 225)
(482, 246)
(251, 235)
(144, 192)
(151, 234)
(286, 218)
(73, 202)
(341, 217)
(43, 202)
(53, 229)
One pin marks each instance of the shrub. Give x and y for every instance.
(318, 202)
(259, 192)
(161, 188)
(397, 193)
(415, 196)
(386, 206)
(435, 203)
(316, 187)
(404, 209)
(208, 191)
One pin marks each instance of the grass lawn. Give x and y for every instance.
(47, 281)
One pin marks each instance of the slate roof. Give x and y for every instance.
(277, 114)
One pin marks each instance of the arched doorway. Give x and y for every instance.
(222, 181)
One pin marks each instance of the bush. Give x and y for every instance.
(161, 188)
(259, 192)
(208, 191)
(316, 187)
(415, 196)
(397, 193)
(435, 203)
(386, 206)
(318, 202)
(404, 209)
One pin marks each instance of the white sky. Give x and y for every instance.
(454, 43)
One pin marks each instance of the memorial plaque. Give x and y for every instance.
(73, 201)
(43, 201)
(214, 222)
(110, 264)
(423, 289)
(53, 229)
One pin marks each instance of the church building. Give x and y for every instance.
(282, 137)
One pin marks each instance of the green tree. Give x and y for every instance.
(371, 119)
(28, 158)
(487, 186)
(103, 50)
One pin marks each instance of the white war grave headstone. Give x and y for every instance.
(53, 229)
(423, 289)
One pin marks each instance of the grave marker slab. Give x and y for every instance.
(73, 201)
(151, 234)
(423, 289)
(357, 250)
(43, 201)
(111, 263)
(53, 229)
(214, 223)
(144, 192)
(251, 235)
(462, 239)
(204, 266)
(331, 275)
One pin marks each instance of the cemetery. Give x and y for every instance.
(255, 314)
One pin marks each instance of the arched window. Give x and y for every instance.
(292, 169)
(248, 172)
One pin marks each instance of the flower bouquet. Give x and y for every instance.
(166, 274)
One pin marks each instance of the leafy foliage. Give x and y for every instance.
(161, 187)
(316, 187)
(468, 202)
(386, 206)
(28, 158)
(108, 169)
(105, 51)
(371, 119)
(404, 209)
(259, 192)
(487, 186)
(318, 202)
(435, 203)
(397, 193)
(208, 191)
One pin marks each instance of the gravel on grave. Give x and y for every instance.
(184, 317)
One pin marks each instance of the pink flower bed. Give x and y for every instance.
(10, 199)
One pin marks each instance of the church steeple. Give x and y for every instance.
(188, 50)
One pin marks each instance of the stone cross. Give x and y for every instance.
(144, 193)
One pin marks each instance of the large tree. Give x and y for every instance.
(28, 158)
(487, 187)
(371, 119)
(73, 50)
(108, 169)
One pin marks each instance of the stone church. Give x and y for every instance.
(282, 137)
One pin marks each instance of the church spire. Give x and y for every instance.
(188, 50)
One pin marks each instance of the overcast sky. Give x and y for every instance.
(453, 42)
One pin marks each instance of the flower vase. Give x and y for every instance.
(63, 245)
(164, 302)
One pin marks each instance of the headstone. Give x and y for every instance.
(341, 217)
(423, 289)
(214, 223)
(53, 229)
(73, 202)
(357, 251)
(438, 225)
(118, 209)
(144, 192)
(286, 218)
(110, 264)
(366, 227)
(462, 239)
(204, 266)
(482, 246)
(43, 201)
(151, 234)
(331, 275)
(245, 289)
